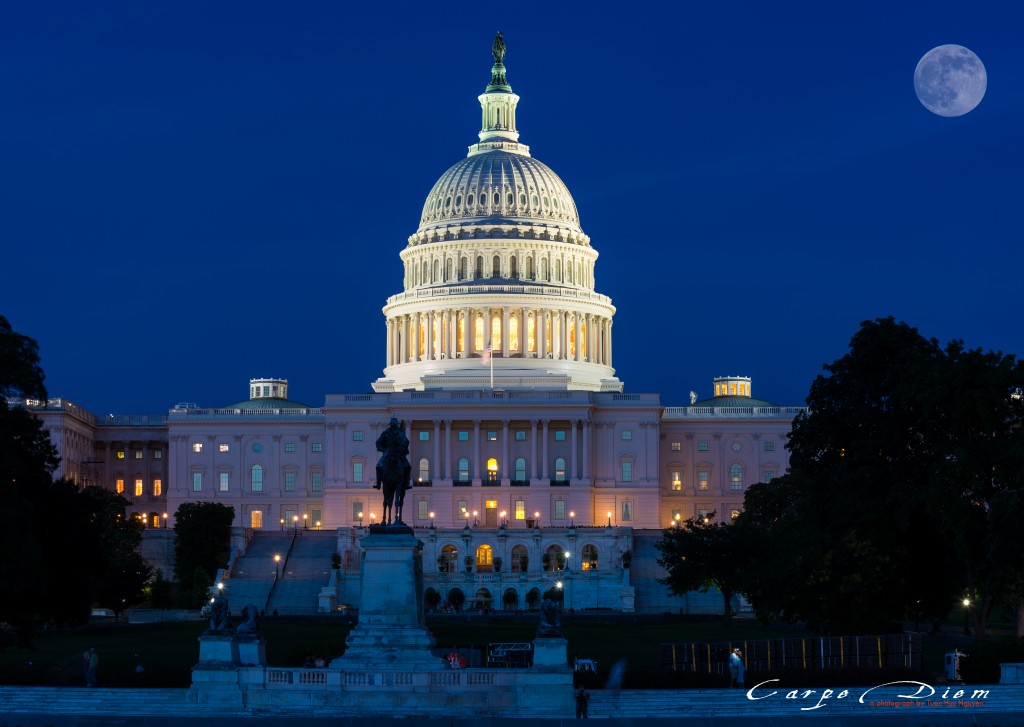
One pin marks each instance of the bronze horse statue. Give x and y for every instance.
(393, 471)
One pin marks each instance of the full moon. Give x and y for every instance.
(950, 80)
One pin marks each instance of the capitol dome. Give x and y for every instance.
(499, 272)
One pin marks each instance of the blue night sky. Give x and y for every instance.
(197, 194)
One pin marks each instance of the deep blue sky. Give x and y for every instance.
(192, 195)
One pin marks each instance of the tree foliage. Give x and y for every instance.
(202, 539)
(886, 511)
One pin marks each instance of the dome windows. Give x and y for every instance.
(509, 199)
(533, 200)
(447, 202)
(497, 198)
(469, 201)
(545, 200)
(522, 199)
(458, 200)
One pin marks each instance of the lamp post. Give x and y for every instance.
(282, 524)
(305, 521)
(373, 516)
(676, 519)
(317, 524)
(967, 611)
(277, 566)
(536, 517)
(502, 515)
(360, 518)
(609, 518)
(295, 523)
(165, 521)
(567, 556)
(431, 519)
(572, 518)
(475, 520)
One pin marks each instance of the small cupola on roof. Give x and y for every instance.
(268, 388)
(730, 391)
(732, 386)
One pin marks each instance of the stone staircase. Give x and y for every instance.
(307, 571)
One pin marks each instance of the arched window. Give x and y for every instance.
(431, 599)
(496, 267)
(463, 268)
(510, 599)
(521, 469)
(543, 268)
(560, 469)
(456, 598)
(496, 333)
(257, 478)
(437, 272)
(513, 271)
(558, 271)
(424, 475)
(492, 470)
(554, 558)
(463, 469)
(736, 477)
(513, 333)
(484, 555)
(478, 334)
(533, 598)
(520, 559)
(447, 562)
(588, 557)
(529, 268)
(480, 266)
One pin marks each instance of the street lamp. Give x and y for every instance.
(536, 517)
(567, 556)
(677, 519)
(165, 520)
(502, 514)
(475, 521)
(305, 521)
(967, 611)
(373, 516)
(431, 519)
(282, 523)
(277, 566)
(317, 524)
(295, 523)
(360, 518)
(572, 518)
(609, 518)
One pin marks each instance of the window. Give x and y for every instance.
(492, 436)
(119, 485)
(424, 470)
(289, 482)
(422, 509)
(224, 448)
(138, 487)
(256, 519)
(197, 447)
(520, 507)
(424, 436)
(463, 436)
(627, 511)
(289, 446)
(357, 471)
(462, 509)
(257, 448)
(734, 514)
(316, 518)
(769, 445)
(357, 436)
(158, 454)
(627, 471)
(521, 469)
(588, 558)
(317, 482)
(197, 482)
(225, 479)
(677, 446)
(138, 454)
(520, 435)
(768, 476)
(702, 480)
(559, 435)
(627, 435)
(158, 487)
(559, 509)
(677, 480)
(702, 446)
(560, 469)
(677, 515)
(257, 478)
(492, 470)
(736, 446)
(463, 468)
(120, 454)
(703, 514)
(736, 477)
(357, 511)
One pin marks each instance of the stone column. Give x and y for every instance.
(435, 468)
(572, 452)
(447, 449)
(476, 449)
(402, 340)
(467, 333)
(539, 333)
(524, 321)
(579, 336)
(533, 449)
(586, 449)
(505, 469)
(504, 332)
(544, 445)
(429, 348)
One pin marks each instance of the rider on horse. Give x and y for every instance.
(393, 470)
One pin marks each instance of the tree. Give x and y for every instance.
(122, 576)
(161, 592)
(202, 539)
(704, 554)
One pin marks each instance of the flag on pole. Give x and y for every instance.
(487, 352)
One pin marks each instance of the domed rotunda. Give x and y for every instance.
(499, 276)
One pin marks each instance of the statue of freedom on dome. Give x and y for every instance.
(498, 49)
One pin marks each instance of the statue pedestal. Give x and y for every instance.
(216, 648)
(250, 650)
(549, 652)
(392, 627)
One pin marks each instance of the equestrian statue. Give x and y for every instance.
(393, 473)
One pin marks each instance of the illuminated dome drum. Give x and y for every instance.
(499, 276)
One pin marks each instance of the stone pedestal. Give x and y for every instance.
(250, 650)
(549, 652)
(392, 627)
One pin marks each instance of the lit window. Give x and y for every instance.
(224, 448)
(256, 519)
(734, 514)
(559, 509)
(257, 478)
(703, 513)
(768, 476)
(424, 436)
(422, 509)
(289, 446)
(627, 435)
(197, 481)
(677, 446)
(702, 446)
(702, 480)
(357, 471)
(120, 454)
(138, 454)
(492, 436)
(520, 436)
(357, 511)
(289, 482)
(316, 517)
(736, 446)
(357, 436)
(492, 470)
(317, 483)
(224, 481)
(520, 509)
(736, 477)
(158, 487)
(677, 480)
(627, 471)
(318, 446)
(462, 509)
(627, 511)
(424, 475)
(138, 487)
(158, 454)
(463, 436)
(197, 447)
(119, 486)
(520, 469)
(560, 469)
(559, 435)
(463, 468)
(769, 445)
(677, 515)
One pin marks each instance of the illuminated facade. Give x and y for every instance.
(498, 362)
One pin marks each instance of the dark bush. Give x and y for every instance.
(981, 665)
